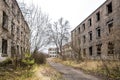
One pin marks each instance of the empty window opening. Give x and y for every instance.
(98, 16)
(90, 22)
(90, 51)
(84, 39)
(18, 49)
(4, 47)
(99, 49)
(79, 30)
(110, 48)
(5, 21)
(84, 52)
(83, 26)
(109, 8)
(98, 32)
(90, 35)
(110, 27)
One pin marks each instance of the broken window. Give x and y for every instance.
(83, 26)
(84, 52)
(12, 28)
(90, 35)
(110, 48)
(90, 22)
(90, 51)
(4, 47)
(5, 21)
(98, 16)
(98, 32)
(18, 50)
(99, 49)
(79, 30)
(84, 39)
(109, 8)
(18, 33)
(110, 27)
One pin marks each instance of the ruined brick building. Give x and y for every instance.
(98, 36)
(14, 31)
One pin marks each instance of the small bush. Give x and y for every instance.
(39, 58)
(6, 62)
(28, 60)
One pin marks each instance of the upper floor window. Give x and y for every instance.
(90, 22)
(5, 21)
(83, 26)
(109, 8)
(12, 27)
(98, 32)
(79, 30)
(98, 16)
(84, 39)
(110, 27)
(90, 35)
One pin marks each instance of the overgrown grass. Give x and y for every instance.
(9, 73)
(46, 72)
(37, 72)
(110, 69)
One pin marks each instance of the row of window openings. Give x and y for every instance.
(109, 10)
(110, 27)
(4, 47)
(5, 24)
(90, 35)
(110, 49)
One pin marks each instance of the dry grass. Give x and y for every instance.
(109, 68)
(45, 72)
(38, 72)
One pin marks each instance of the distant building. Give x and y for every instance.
(52, 52)
(98, 36)
(14, 31)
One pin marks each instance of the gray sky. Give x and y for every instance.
(75, 11)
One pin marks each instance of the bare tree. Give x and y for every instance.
(75, 45)
(38, 22)
(59, 34)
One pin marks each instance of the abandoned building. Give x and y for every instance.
(98, 36)
(14, 31)
(52, 52)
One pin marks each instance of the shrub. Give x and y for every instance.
(6, 62)
(39, 58)
(28, 60)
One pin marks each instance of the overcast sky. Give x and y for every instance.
(75, 11)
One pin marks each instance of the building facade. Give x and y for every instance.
(98, 36)
(14, 31)
(52, 52)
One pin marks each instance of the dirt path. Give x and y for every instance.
(71, 73)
